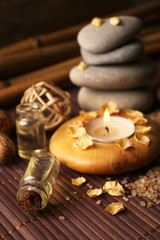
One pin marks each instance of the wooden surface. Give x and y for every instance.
(104, 158)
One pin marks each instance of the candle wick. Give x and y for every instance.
(107, 129)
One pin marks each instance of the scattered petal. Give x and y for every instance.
(114, 21)
(83, 142)
(75, 132)
(88, 116)
(114, 188)
(82, 66)
(142, 129)
(114, 208)
(94, 192)
(139, 120)
(78, 181)
(76, 123)
(112, 107)
(124, 143)
(97, 22)
(133, 113)
(142, 139)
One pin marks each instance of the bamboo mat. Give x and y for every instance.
(84, 219)
(71, 213)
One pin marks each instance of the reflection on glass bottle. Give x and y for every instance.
(38, 181)
(31, 136)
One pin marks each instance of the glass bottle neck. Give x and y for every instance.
(29, 110)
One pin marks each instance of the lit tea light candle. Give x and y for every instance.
(109, 129)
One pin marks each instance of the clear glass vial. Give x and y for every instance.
(38, 181)
(31, 135)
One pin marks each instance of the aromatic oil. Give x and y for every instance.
(38, 181)
(31, 136)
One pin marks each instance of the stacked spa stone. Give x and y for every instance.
(115, 69)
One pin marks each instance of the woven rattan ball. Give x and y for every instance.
(56, 103)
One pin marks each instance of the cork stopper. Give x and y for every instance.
(30, 202)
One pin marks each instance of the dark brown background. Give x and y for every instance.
(20, 19)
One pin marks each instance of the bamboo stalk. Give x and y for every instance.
(57, 74)
(152, 49)
(142, 11)
(27, 44)
(155, 36)
(32, 59)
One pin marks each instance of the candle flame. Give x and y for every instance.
(106, 116)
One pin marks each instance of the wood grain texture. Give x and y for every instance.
(104, 158)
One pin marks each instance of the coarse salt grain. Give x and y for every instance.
(147, 186)
(125, 199)
(98, 202)
(142, 203)
(61, 218)
(67, 198)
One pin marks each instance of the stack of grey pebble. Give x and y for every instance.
(116, 69)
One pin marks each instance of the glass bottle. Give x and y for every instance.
(31, 135)
(38, 181)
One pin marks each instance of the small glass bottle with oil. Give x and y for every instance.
(31, 135)
(38, 180)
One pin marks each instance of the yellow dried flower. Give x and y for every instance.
(75, 132)
(114, 208)
(94, 192)
(142, 138)
(112, 107)
(124, 143)
(142, 129)
(78, 181)
(114, 188)
(97, 22)
(83, 142)
(82, 66)
(114, 21)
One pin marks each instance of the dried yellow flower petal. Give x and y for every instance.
(112, 107)
(97, 22)
(88, 116)
(75, 132)
(78, 181)
(142, 138)
(142, 129)
(114, 188)
(76, 123)
(139, 120)
(83, 142)
(133, 113)
(94, 192)
(82, 66)
(114, 21)
(114, 208)
(124, 143)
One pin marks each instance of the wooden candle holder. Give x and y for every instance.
(102, 158)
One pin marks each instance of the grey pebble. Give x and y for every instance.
(106, 37)
(128, 52)
(139, 99)
(121, 76)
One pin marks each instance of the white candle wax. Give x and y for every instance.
(106, 132)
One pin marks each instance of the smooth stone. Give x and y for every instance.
(122, 76)
(138, 99)
(106, 37)
(128, 52)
